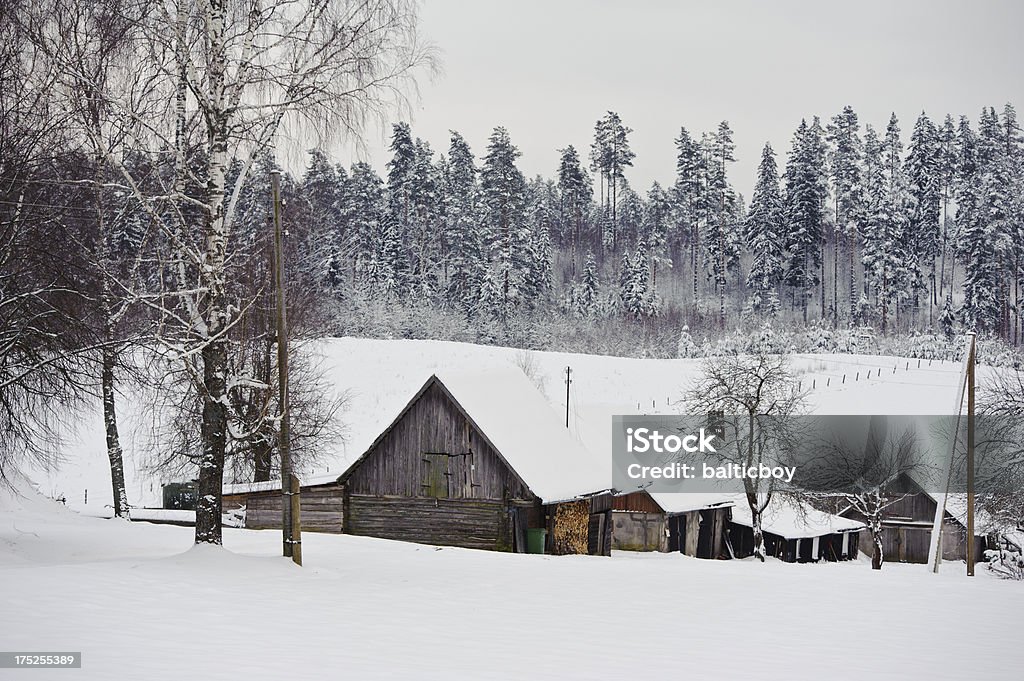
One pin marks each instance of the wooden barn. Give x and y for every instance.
(692, 524)
(907, 526)
(795, 533)
(473, 460)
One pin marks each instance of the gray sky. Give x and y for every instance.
(547, 70)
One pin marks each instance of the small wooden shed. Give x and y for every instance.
(691, 523)
(907, 525)
(795, 532)
(473, 460)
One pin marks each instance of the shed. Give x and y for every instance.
(795, 532)
(691, 523)
(907, 525)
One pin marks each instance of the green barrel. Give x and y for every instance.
(535, 539)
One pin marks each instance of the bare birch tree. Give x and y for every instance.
(206, 86)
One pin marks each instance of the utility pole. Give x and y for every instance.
(970, 457)
(290, 537)
(568, 380)
(966, 372)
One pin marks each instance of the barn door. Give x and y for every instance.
(705, 536)
(594, 533)
(435, 476)
(677, 533)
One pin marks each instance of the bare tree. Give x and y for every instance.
(210, 84)
(863, 475)
(745, 396)
(41, 345)
(1001, 447)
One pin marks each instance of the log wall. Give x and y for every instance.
(321, 509)
(469, 523)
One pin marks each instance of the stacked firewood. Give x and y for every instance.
(569, 534)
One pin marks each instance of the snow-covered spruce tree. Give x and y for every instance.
(584, 295)
(657, 217)
(765, 230)
(818, 153)
(366, 205)
(804, 215)
(429, 254)
(323, 232)
(466, 263)
(987, 231)
(503, 198)
(886, 258)
(576, 192)
(740, 390)
(686, 348)
(541, 213)
(1013, 161)
(689, 203)
(633, 285)
(924, 187)
(845, 159)
(947, 319)
(723, 234)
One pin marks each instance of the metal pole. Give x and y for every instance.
(970, 459)
(282, 370)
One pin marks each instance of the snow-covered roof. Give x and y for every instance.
(793, 520)
(525, 431)
(275, 484)
(691, 501)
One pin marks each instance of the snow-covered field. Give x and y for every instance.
(381, 375)
(139, 603)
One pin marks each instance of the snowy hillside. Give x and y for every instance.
(380, 377)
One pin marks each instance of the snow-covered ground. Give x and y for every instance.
(140, 603)
(380, 376)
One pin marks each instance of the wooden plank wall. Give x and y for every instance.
(474, 524)
(322, 510)
(433, 424)
(639, 531)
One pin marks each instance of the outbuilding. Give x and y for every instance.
(693, 524)
(472, 460)
(795, 532)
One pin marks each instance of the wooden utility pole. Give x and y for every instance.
(289, 483)
(970, 457)
(296, 527)
(935, 544)
(568, 380)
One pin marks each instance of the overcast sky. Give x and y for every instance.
(548, 69)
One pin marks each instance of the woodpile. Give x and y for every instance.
(571, 528)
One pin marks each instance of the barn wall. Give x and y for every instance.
(911, 544)
(635, 501)
(469, 523)
(401, 465)
(321, 509)
(639, 531)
